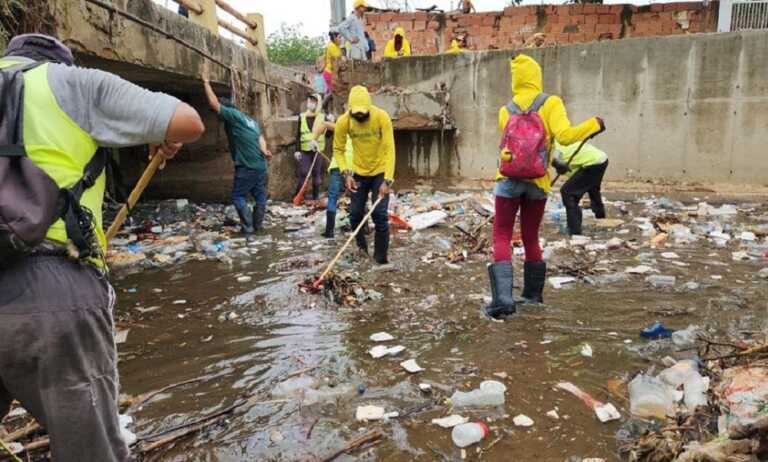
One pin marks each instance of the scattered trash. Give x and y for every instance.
(523, 421)
(243, 279)
(656, 331)
(490, 393)
(411, 366)
(427, 220)
(379, 351)
(605, 412)
(650, 397)
(658, 281)
(121, 336)
(381, 337)
(425, 387)
(468, 434)
(450, 421)
(553, 415)
(368, 413)
(642, 269)
(558, 282)
(586, 350)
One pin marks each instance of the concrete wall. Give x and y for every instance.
(431, 33)
(688, 108)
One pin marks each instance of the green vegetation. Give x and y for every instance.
(10, 12)
(289, 46)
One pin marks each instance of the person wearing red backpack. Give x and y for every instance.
(530, 124)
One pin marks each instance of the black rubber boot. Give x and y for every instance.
(381, 247)
(258, 217)
(574, 217)
(534, 278)
(246, 220)
(330, 224)
(502, 303)
(362, 244)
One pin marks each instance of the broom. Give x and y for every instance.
(319, 281)
(299, 198)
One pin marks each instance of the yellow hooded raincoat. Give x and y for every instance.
(527, 83)
(455, 48)
(373, 140)
(405, 50)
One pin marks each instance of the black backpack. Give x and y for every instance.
(30, 200)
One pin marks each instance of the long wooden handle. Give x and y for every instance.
(349, 241)
(146, 177)
(299, 197)
(570, 159)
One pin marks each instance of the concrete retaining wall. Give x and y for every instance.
(688, 108)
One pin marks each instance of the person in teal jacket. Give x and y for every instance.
(585, 171)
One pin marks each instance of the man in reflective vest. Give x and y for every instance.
(57, 349)
(310, 140)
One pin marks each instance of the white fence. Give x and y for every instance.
(738, 15)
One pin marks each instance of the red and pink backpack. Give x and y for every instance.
(525, 138)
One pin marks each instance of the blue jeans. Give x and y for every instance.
(335, 186)
(253, 182)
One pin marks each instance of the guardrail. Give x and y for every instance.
(205, 13)
(738, 15)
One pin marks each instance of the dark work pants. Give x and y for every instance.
(588, 180)
(58, 356)
(368, 186)
(253, 182)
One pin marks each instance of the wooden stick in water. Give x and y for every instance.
(322, 277)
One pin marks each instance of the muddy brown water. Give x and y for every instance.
(432, 310)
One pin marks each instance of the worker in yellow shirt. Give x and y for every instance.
(372, 171)
(332, 52)
(455, 48)
(398, 46)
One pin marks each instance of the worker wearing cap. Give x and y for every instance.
(353, 30)
(372, 171)
(57, 345)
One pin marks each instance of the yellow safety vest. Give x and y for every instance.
(307, 134)
(58, 146)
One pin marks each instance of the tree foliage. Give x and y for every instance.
(289, 46)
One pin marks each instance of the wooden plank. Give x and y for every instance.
(236, 31)
(231, 10)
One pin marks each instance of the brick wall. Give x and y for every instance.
(431, 33)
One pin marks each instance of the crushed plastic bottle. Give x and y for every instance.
(659, 281)
(469, 433)
(490, 393)
(650, 397)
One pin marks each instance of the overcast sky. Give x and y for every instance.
(316, 14)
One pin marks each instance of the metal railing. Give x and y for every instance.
(738, 15)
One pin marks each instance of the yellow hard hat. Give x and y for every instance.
(360, 3)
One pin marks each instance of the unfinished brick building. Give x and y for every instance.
(431, 33)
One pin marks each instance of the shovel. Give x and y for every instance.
(146, 177)
(299, 198)
(316, 285)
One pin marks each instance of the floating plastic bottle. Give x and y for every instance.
(650, 397)
(490, 393)
(695, 391)
(468, 434)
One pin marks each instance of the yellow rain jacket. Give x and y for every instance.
(527, 83)
(373, 140)
(349, 153)
(455, 48)
(332, 51)
(405, 49)
(589, 156)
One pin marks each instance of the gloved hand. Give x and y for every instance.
(297, 156)
(602, 126)
(313, 144)
(561, 166)
(330, 118)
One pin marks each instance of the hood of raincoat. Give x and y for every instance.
(399, 32)
(359, 100)
(526, 76)
(455, 45)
